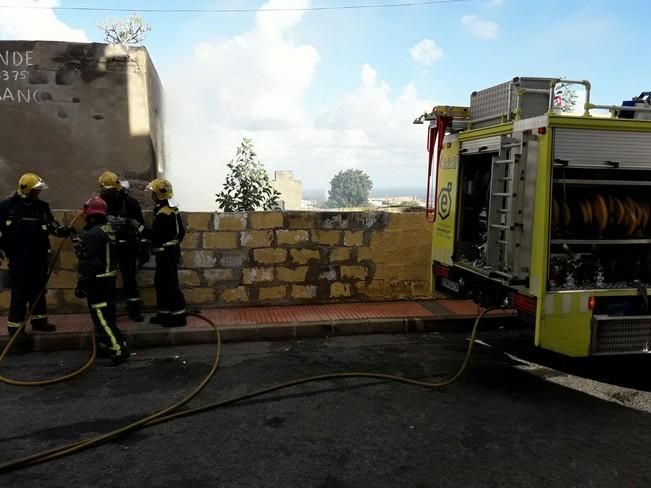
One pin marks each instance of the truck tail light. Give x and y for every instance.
(591, 303)
(441, 271)
(524, 303)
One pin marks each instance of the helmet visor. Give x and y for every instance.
(40, 185)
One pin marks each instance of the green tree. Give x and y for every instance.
(568, 96)
(349, 188)
(247, 187)
(129, 31)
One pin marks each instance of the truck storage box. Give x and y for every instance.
(497, 104)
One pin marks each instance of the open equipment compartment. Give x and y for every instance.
(474, 201)
(600, 226)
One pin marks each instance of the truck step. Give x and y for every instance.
(510, 145)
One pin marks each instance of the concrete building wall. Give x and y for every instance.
(291, 190)
(69, 111)
(278, 258)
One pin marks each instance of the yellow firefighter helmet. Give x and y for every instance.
(109, 180)
(161, 188)
(29, 182)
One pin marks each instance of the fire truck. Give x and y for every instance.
(547, 210)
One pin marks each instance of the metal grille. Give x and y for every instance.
(621, 335)
(496, 104)
(490, 103)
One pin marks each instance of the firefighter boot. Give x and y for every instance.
(173, 320)
(158, 319)
(43, 325)
(135, 313)
(104, 350)
(122, 356)
(24, 341)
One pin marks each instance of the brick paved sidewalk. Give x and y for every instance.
(268, 323)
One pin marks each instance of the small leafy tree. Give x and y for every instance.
(247, 187)
(567, 96)
(349, 188)
(129, 31)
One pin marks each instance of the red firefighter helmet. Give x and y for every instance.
(95, 206)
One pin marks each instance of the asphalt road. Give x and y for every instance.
(539, 421)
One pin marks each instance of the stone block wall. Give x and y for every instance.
(279, 258)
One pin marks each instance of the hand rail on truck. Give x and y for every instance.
(551, 92)
(613, 109)
(585, 83)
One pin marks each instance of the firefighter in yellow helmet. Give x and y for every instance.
(167, 232)
(125, 216)
(26, 223)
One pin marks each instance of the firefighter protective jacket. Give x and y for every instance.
(25, 226)
(96, 252)
(167, 230)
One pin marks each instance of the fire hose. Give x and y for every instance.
(173, 412)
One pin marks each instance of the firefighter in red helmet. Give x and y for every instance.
(167, 232)
(26, 223)
(97, 275)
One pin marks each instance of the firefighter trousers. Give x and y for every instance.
(127, 255)
(169, 297)
(101, 304)
(27, 279)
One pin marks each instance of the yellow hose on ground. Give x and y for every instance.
(52, 454)
(12, 340)
(170, 414)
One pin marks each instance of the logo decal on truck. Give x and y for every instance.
(445, 201)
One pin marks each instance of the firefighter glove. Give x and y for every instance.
(64, 231)
(81, 291)
(76, 245)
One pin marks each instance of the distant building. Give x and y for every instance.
(291, 190)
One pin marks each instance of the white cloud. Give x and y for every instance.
(36, 24)
(255, 84)
(426, 52)
(230, 89)
(481, 29)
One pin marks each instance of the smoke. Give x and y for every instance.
(255, 85)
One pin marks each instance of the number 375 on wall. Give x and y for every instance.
(13, 75)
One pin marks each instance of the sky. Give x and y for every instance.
(323, 91)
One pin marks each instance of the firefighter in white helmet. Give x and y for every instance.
(26, 223)
(167, 232)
